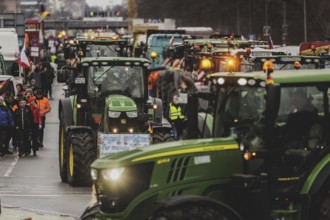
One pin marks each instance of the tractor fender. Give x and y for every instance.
(65, 107)
(178, 200)
(320, 179)
(162, 128)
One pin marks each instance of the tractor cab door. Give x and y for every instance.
(300, 137)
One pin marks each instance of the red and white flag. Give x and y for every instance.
(270, 43)
(23, 61)
(171, 41)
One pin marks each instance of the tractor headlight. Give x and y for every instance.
(94, 174)
(113, 174)
(131, 114)
(113, 114)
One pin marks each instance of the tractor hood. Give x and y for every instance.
(120, 103)
(167, 150)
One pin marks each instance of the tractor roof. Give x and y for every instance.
(282, 77)
(105, 61)
(103, 41)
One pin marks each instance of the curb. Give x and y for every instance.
(18, 213)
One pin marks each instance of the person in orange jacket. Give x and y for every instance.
(44, 106)
(37, 125)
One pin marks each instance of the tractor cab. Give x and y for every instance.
(118, 92)
(281, 129)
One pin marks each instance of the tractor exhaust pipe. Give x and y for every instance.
(192, 116)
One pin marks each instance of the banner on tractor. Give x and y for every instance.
(113, 143)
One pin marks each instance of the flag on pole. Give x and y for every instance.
(23, 60)
(44, 14)
(171, 41)
(4, 86)
(270, 43)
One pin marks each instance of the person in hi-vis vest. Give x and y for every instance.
(176, 117)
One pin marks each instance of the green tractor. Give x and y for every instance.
(97, 47)
(108, 111)
(268, 157)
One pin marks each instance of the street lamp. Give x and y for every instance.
(266, 11)
(305, 22)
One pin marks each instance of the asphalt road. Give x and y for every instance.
(31, 186)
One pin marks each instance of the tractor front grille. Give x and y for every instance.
(123, 123)
(178, 169)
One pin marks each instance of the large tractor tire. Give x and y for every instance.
(161, 137)
(61, 150)
(81, 152)
(191, 211)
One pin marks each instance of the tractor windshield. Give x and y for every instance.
(240, 113)
(239, 109)
(124, 80)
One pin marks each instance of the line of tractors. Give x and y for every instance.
(256, 145)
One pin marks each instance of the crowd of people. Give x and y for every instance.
(23, 115)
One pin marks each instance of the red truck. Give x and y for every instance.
(314, 48)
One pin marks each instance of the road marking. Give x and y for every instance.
(11, 167)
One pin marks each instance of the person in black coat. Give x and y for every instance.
(23, 118)
(48, 76)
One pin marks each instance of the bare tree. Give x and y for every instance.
(246, 17)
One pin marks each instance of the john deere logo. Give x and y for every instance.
(123, 121)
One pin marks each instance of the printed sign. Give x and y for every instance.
(79, 80)
(183, 98)
(113, 143)
(34, 51)
(290, 59)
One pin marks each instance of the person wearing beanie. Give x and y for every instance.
(29, 96)
(6, 122)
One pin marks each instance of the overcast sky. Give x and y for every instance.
(103, 3)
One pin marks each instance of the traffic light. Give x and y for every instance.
(91, 14)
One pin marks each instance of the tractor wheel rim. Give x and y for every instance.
(71, 160)
(61, 147)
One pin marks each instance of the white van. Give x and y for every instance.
(9, 45)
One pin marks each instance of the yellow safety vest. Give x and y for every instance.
(175, 112)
